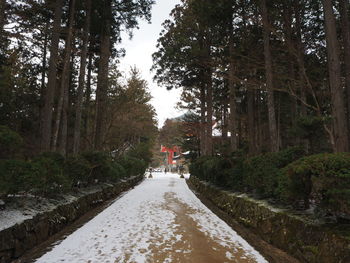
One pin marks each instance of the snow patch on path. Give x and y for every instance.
(137, 223)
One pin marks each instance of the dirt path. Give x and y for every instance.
(160, 220)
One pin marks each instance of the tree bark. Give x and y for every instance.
(43, 72)
(81, 87)
(258, 124)
(2, 16)
(209, 135)
(251, 121)
(333, 51)
(102, 80)
(300, 57)
(44, 62)
(224, 121)
(344, 11)
(65, 77)
(202, 134)
(87, 106)
(62, 146)
(232, 97)
(269, 80)
(52, 79)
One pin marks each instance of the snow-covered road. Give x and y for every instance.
(160, 220)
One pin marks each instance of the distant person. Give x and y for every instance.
(182, 170)
(165, 170)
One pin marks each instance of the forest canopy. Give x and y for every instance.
(60, 85)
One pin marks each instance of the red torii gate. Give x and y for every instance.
(170, 152)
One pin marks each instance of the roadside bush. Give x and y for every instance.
(259, 174)
(104, 169)
(197, 168)
(54, 156)
(10, 142)
(117, 172)
(50, 173)
(262, 174)
(133, 166)
(224, 172)
(78, 170)
(142, 152)
(14, 177)
(99, 163)
(323, 179)
(47, 177)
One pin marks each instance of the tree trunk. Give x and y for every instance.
(102, 80)
(87, 126)
(224, 121)
(43, 71)
(232, 98)
(202, 134)
(251, 121)
(209, 132)
(300, 57)
(65, 75)
(344, 11)
(333, 52)
(44, 62)
(269, 80)
(258, 129)
(2, 16)
(62, 146)
(292, 83)
(52, 79)
(79, 103)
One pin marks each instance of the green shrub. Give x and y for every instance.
(222, 171)
(133, 166)
(10, 142)
(103, 168)
(54, 156)
(142, 152)
(226, 173)
(78, 170)
(262, 173)
(197, 168)
(322, 178)
(117, 172)
(47, 177)
(14, 176)
(99, 163)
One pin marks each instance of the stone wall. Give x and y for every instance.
(299, 237)
(18, 239)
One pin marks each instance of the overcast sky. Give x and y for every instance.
(139, 52)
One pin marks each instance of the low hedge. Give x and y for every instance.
(50, 173)
(133, 166)
(14, 176)
(10, 142)
(257, 174)
(323, 180)
(261, 174)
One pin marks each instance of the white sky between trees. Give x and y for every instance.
(139, 52)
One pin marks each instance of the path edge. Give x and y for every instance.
(278, 236)
(18, 239)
